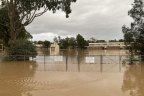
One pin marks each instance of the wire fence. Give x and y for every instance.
(99, 63)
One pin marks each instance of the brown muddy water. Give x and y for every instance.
(36, 78)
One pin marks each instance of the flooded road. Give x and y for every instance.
(32, 78)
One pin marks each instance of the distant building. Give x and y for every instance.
(39, 45)
(54, 49)
(107, 45)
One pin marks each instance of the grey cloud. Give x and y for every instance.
(101, 19)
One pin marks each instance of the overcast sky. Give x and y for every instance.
(101, 19)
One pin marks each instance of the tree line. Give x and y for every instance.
(73, 42)
(134, 35)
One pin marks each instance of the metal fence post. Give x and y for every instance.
(24, 58)
(101, 63)
(44, 59)
(140, 62)
(120, 63)
(66, 63)
(78, 63)
(44, 63)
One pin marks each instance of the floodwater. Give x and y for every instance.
(71, 52)
(36, 78)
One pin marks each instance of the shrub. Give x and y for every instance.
(21, 49)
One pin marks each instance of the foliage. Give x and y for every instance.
(23, 12)
(121, 40)
(22, 47)
(39, 42)
(66, 43)
(5, 30)
(46, 44)
(113, 40)
(1, 41)
(72, 42)
(100, 41)
(81, 42)
(35, 42)
(92, 40)
(134, 36)
(56, 40)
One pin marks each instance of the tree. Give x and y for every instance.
(4, 30)
(46, 44)
(134, 36)
(1, 41)
(72, 42)
(121, 40)
(92, 40)
(81, 43)
(113, 40)
(23, 12)
(56, 40)
(100, 41)
(40, 42)
(64, 43)
(22, 49)
(35, 42)
(67, 42)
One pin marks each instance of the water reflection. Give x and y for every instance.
(133, 82)
(16, 78)
(73, 52)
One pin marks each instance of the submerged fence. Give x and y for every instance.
(81, 63)
(78, 63)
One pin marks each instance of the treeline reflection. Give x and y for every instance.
(133, 80)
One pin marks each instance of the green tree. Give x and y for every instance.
(40, 42)
(81, 43)
(113, 40)
(23, 12)
(4, 30)
(1, 41)
(67, 42)
(92, 40)
(35, 42)
(56, 40)
(72, 42)
(134, 36)
(121, 40)
(64, 43)
(22, 48)
(46, 44)
(100, 41)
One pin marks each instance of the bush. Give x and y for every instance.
(21, 49)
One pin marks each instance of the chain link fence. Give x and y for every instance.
(98, 63)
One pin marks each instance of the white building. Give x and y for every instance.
(39, 45)
(54, 49)
(106, 45)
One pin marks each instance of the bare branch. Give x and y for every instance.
(30, 19)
